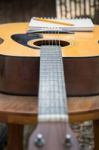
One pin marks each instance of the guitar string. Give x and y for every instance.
(49, 98)
(61, 124)
(58, 69)
(42, 108)
(61, 98)
(58, 98)
(56, 42)
(50, 43)
(59, 109)
(56, 106)
(46, 103)
(63, 88)
(56, 75)
(46, 129)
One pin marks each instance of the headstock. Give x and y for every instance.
(53, 136)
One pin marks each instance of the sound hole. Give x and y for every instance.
(1, 40)
(51, 42)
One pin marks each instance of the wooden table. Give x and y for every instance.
(17, 111)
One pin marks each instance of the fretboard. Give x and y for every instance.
(52, 92)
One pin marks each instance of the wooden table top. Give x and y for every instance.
(23, 109)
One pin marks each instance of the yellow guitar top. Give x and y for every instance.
(79, 44)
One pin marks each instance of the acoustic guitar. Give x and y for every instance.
(46, 62)
(20, 55)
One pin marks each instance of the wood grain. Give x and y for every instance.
(19, 65)
(18, 110)
(24, 109)
(15, 142)
(96, 133)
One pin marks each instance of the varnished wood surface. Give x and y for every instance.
(15, 136)
(23, 109)
(20, 74)
(96, 133)
(81, 44)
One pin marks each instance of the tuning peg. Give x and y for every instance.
(68, 141)
(39, 141)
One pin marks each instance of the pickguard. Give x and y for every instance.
(24, 38)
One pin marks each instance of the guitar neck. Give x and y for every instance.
(52, 92)
(53, 131)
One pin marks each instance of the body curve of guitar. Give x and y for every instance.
(20, 59)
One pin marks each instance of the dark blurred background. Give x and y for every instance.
(21, 10)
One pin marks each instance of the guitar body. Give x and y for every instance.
(20, 59)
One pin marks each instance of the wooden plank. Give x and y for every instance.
(96, 134)
(22, 109)
(15, 136)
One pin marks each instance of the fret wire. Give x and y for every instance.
(52, 95)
